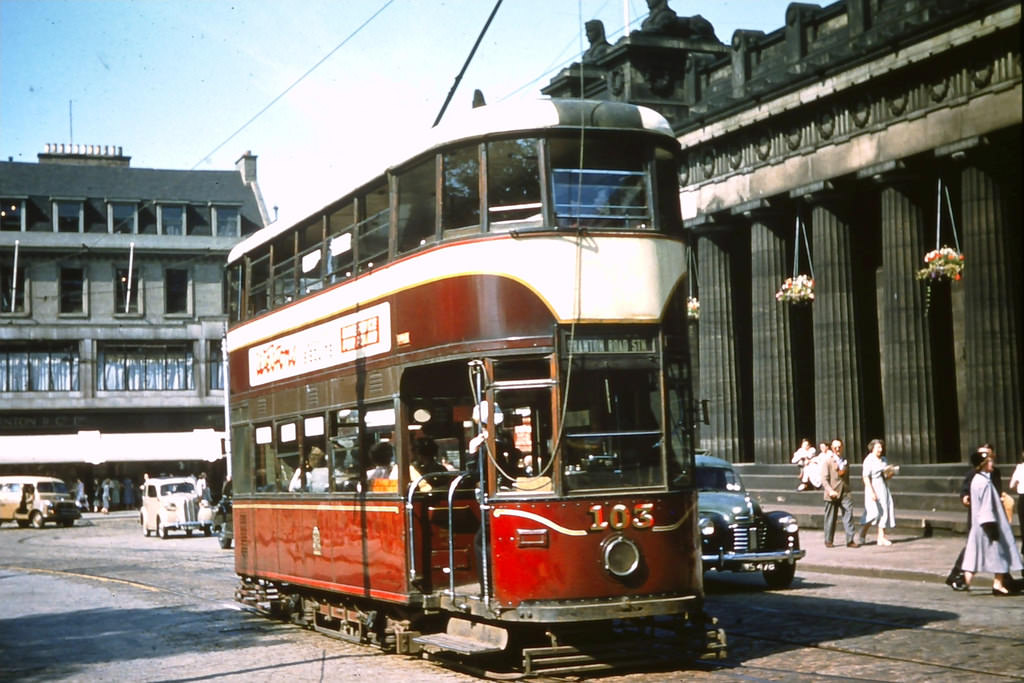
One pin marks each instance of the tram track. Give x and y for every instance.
(772, 636)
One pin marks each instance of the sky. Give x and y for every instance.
(325, 93)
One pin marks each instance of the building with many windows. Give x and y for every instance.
(850, 146)
(112, 308)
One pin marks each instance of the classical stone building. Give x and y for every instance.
(113, 308)
(848, 143)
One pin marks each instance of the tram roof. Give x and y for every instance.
(501, 119)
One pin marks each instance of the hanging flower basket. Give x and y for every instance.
(692, 308)
(796, 290)
(942, 265)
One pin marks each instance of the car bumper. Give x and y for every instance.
(751, 561)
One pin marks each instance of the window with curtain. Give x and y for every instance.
(39, 367)
(151, 367)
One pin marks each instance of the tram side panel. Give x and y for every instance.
(552, 550)
(355, 547)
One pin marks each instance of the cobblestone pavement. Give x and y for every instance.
(100, 602)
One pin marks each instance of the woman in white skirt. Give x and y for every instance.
(878, 508)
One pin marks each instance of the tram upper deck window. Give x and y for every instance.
(613, 435)
(372, 231)
(310, 259)
(236, 286)
(417, 206)
(283, 257)
(605, 187)
(513, 184)
(461, 191)
(666, 183)
(340, 253)
(259, 282)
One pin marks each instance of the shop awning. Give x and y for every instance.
(97, 448)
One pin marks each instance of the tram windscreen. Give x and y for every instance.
(604, 187)
(613, 434)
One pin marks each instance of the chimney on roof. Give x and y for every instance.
(83, 155)
(246, 165)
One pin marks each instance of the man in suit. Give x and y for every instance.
(835, 482)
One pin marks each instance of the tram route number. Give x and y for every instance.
(620, 516)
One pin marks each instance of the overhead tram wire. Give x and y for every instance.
(294, 83)
(465, 66)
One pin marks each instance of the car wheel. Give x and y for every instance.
(161, 530)
(68, 522)
(207, 531)
(188, 532)
(780, 574)
(23, 523)
(224, 540)
(36, 520)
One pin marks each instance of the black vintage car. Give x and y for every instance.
(736, 535)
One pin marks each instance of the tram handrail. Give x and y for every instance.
(451, 530)
(411, 545)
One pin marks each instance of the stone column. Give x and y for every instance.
(838, 400)
(719, 381)
(774, 393)
(990, 224)
(908, 399)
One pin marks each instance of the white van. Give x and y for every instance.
(29, 499)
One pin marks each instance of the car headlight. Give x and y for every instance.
(706, 525)
(170, 506)
(789, 524)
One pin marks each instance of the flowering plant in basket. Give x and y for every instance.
(692, 308)
(942, 264)
(796, 290)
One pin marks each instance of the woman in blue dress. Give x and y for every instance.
(878, 508)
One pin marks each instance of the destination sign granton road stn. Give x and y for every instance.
(610, 345)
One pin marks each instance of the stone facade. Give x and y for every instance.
(857, 117)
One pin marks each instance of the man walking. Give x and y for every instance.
(835, 481)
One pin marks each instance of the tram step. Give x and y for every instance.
(466, 638)
(566, 659)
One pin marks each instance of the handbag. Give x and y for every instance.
(1007, 501)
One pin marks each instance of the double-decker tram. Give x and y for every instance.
(460, 398)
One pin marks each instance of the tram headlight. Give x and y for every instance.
(621, 556)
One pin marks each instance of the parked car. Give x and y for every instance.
(736, 535)
(174, 503)
(33, 500)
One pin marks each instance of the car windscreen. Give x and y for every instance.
(718, 479)
(51, 487)
(181, 487)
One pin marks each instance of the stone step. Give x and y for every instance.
(909, 500)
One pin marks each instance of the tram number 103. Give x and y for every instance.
(620, 516)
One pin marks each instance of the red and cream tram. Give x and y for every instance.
(459, 395)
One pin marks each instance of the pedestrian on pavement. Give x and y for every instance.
(106, 496)
(835, 480)
(878, 507)
(129, 493)
(1017, 484)
(115, 494)
(990, 544)
(955, 579)
(802, 458)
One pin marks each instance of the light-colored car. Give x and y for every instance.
(34, 500)
(174, 503)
